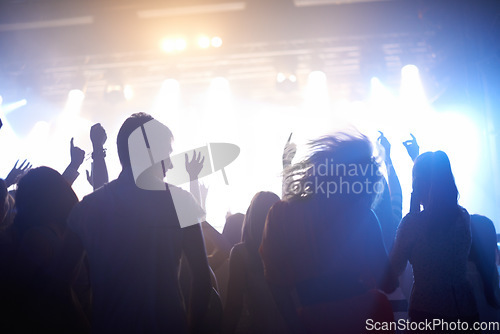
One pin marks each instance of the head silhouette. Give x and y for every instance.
(434, 183)
(43, 197)
(232, 228)
(344, 164)
(255, 218)
(132, 123)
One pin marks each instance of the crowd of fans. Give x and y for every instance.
(333, 255)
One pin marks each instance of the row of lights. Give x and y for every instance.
(170, 45)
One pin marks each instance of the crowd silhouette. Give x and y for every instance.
(326, 257)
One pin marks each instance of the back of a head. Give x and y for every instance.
(43, 197)
(433, 179)
(344, 164)
(255, 218)
(232, 228)
(132, 123)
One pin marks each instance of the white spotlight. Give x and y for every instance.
(168, 45)
(167, 102)
(410, 70)
(180, 44)
(6, 109)
(216, 42)
(74, 102)
(316, 93)
(412, 91)
(280, 77)
(128, 92)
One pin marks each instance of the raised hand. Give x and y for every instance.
(289, 152)
(382, 140)
(194, 166)
(412, 147)
(98, 135)
(77, 155)
(203, 195)
(17, 172)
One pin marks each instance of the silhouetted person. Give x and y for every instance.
(482, 269)
(248, 292)
(325, 243)
(436, 241)
(134, 240)
(46, 258)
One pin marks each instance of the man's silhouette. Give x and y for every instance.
(134, 243)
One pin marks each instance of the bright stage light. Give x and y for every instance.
(74, 102)
(204, 42)
(216, 42)
(6, 109)
(316, 92)
(37, 143)
(168, 45)
(167, 102)
(180, 44)
(412, 90)
(280, 77)
(128, 92)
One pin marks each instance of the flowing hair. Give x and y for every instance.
(432, 175)
(343, 164)
(43, 196)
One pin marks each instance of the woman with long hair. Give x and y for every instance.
(436, 241)
(323, 244)
(248, 293)
(47, 257)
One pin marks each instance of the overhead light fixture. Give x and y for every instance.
(216, 42)
(192, 10)
(74, 21)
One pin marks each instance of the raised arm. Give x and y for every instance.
(99, 174)
(412, 147)
(77, 155)
(17, 172)
(194, 168)
(393, 181)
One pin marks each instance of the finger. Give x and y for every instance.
(381, 133)
(186, 158)
(289, 138)
(407, 142)
(15, 165)
(22, 165)
(71, 143)
(199, 156)
(194, 156)
(413, 137)
(202, 160)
